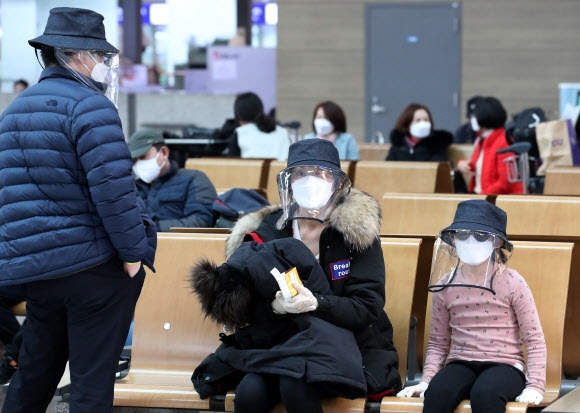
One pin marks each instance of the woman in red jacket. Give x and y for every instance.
(487, 169)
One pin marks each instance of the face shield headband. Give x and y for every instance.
(104, 72)
(467, 258)
(310, 192)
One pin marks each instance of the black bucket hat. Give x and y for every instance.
(316, 152)
(72, 28)
(478, 215)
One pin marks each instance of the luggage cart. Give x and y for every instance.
(518, 164)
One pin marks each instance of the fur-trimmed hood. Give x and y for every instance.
(357, 218)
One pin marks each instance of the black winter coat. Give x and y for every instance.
(432, 148)
(299, 345)
(354, 266)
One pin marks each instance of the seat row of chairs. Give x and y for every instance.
(171, 337)
(374, 177)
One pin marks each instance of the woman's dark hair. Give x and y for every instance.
(406, 117)
(48, 56)
(333, 113)
(248, 107)
(490, 113)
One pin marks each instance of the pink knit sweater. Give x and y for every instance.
(472, 324)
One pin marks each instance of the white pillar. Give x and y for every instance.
(23, 20)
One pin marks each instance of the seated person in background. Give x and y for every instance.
(329, 123)
(174, 197)
(20, 85)
(483, 314)
(414, 138)
(465, 133)
(486, 170)
(258, 135)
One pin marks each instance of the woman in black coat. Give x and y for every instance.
(414, 138)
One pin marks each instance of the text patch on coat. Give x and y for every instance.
(340, 269)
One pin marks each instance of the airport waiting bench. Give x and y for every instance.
(227, 173)
(379, 177)
(171, 336)
(552, 218)
(534, 260)
(373, 151)
(562, 180)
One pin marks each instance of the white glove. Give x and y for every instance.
(530, 396)
(303, 302)
(277, 305)
(412, 390)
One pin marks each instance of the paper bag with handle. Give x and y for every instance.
(557, 144)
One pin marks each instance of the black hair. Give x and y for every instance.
(48, 56)
(248, 107)
(490, 113)
(21, 82)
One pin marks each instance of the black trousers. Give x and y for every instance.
(259, 393)
(489, 386)
(83, 318)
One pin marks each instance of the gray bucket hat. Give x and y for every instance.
(72, 28)
(317, 152)
(478, 215)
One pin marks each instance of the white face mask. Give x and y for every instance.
(311, 192)
(323, 126)
(473, 252)
(420, 129)
(147, 169)
(474, 124)
(99, 72)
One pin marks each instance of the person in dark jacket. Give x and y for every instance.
(74, 230)
(340, 226)
(174, 197)
(415, 139)
(288, 348)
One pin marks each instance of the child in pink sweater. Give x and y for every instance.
(482, 314)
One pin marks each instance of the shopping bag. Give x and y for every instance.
(557, 144)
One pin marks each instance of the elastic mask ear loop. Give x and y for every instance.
(83, 63)
(36, 53)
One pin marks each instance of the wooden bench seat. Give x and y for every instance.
(562, 181)
(227, 173)
(171, 336)
(552, 218)
(534, 260)
(373, 151)
(378, 177)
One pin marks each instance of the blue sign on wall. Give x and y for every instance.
(145, 11)
(265, 13)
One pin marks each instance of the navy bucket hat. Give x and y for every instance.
(478, 215)
(72, 28)
(313, 152)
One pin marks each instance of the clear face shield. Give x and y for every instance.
(467, 258)
(102, 66)
(310, 192)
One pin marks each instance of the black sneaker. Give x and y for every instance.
(7, 369)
